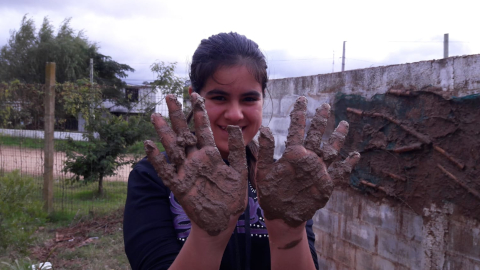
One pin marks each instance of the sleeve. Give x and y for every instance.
(149, 235)
(311, 242)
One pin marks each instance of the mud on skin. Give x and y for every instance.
(298, 184)
(209, 191)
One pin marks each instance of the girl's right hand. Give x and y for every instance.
(212, 194)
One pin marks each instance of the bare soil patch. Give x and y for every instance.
(65, 249)
(31, 162)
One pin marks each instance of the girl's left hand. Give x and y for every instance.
(294, 187)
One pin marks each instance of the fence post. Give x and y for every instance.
(49, 128)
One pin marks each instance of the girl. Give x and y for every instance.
(204, 212)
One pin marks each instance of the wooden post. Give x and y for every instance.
(49, 127)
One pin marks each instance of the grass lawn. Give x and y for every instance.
(93, 221)
(93, 247)
(33, 143)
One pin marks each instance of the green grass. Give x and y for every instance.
(33, 143)
(75, 203)
(79, 199)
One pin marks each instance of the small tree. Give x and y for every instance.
(107, 147)
(110, 136)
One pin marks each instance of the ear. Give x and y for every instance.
(190, 90)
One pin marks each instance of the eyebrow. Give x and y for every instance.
(224, 93)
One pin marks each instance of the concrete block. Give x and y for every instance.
(279, 126)
(360, 233)
(380, 215)
(325, 263)
(327, 221)
(324, 243)
(411, 225)
(455, 261)
(347, 204)
(392, 247)
(331, 204)
(344, 253)
(286, 105)
(363, 259)
(380, 263)
(464, 239)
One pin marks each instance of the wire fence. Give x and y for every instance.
(22, 147)
(24, 152)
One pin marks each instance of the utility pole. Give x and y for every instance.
(343, 57)
(91, 70)
(445, 45)
(333, 62)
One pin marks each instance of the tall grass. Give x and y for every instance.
(20, 211)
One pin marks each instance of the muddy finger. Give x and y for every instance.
(298, 118)
(203, 130)
(168, 139)
(340, 171)
(335, 142)
(317, 128)
(164, 170)
(236, 147)
(266, 149)
(179, 122)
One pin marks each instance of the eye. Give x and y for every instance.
(218, 98)
(251, 99)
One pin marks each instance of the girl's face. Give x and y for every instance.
(233, 97)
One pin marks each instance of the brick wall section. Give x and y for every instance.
(353, 232)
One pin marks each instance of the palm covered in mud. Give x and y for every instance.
(211, 193)
(300, 183)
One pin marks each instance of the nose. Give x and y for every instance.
(234, 113)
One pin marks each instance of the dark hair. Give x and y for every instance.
(227, 50)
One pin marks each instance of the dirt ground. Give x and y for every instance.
(417, 147)
(70, 247)
(30, 161)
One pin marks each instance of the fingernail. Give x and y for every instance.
(153, 116)
(343, 127)
(147, 145)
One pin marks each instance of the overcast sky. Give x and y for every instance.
(299, 38)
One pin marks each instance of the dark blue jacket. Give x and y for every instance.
(155, 227)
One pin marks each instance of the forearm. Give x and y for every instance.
(291, 255)
(289, 247)
(202, 251)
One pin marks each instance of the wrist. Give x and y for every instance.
(282, 236)
(216, 242)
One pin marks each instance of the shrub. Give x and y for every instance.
(20, 211)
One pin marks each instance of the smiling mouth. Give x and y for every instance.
(225, 128)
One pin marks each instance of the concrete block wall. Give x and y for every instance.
(455, 76)
(355, 232)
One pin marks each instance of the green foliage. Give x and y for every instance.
(22, 264)
(22, 105)
(167, 82)
(20, 210)
(109, 138)
(26, 52)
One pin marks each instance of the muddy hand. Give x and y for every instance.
(299, 183)
(210, 192)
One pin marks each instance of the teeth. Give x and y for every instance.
(224, 128)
